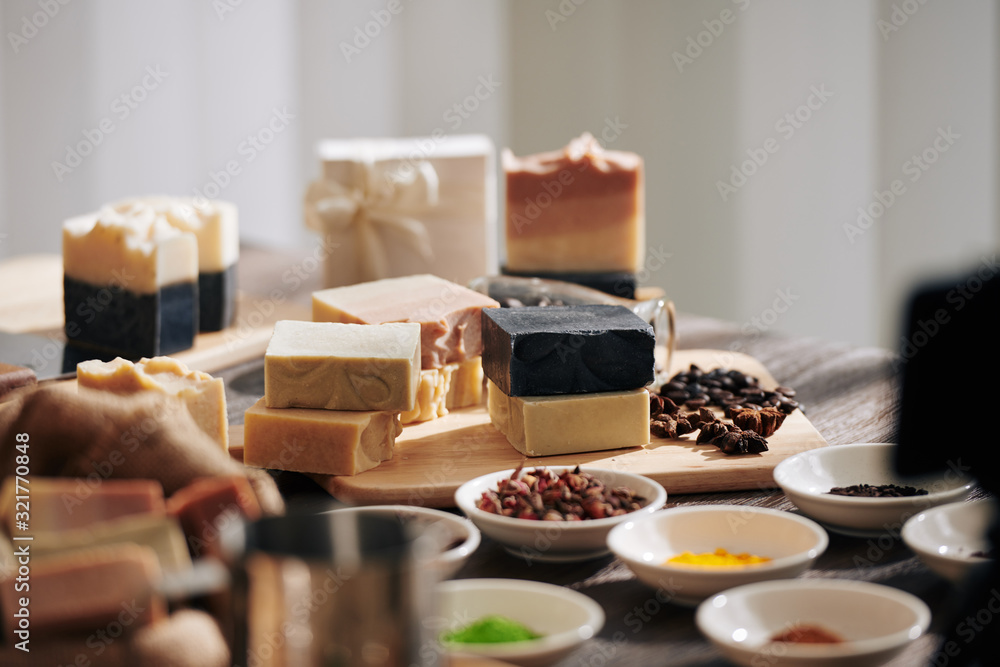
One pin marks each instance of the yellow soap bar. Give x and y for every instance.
(161, 533)
(328, 442)
(335, 366)
(571, 423)
(581, 209)
(451, 387)
(203, 396)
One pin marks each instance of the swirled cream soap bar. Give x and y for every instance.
(130, 283)
(336, 366)
(326, 442)
(576, 209)
(202, 395)
(448, 313)
(571, 424)
(215, 224)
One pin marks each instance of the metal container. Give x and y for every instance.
(333, 590)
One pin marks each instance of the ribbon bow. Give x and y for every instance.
(381, 199)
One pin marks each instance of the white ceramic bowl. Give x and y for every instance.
(946, 538)
(555, 541)
(807, 477)
(565, 618)
(645, 543)
(876, 622)
(459, 535)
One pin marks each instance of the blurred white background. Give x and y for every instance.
(769, 127)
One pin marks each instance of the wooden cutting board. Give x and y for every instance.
(434, 458)
(36, 307)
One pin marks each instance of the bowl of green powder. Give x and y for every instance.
(519, 622)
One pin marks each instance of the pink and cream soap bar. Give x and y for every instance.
(576, 210)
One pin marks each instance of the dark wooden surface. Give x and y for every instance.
(849, 394)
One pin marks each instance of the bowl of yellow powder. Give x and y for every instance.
(692, 552)
(520, 622)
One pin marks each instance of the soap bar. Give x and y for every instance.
(13, 377)
(215, 224)
(448, 313)
(161, 533)
(616, 283)
(342, 366)
(202, 395)
(577, 209)
(572, 424)
(328, 442)
(208, 506)
(451, 387)
(130, 283)
(87, 589)
(64, 503)
(546, 350)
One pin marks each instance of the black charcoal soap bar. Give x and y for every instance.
(552, 350)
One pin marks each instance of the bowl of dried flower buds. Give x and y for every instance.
(953, 539)
(556, 513)
(813, 623)
(855, 490)
(689, 553)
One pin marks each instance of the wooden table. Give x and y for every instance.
(848, 394)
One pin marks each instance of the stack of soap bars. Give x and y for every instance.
(568, 379)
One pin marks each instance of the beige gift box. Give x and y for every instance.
(401, 206)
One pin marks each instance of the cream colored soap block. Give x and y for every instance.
(571, 423)
(331, 366)
(449, 315)
(449, 388)
(579, 209)
(328, 442)
(161, 533)
(203, 396)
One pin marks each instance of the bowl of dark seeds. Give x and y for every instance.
(855, 490)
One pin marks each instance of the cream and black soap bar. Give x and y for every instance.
(130, 283)
(550, 350)
(215, 224)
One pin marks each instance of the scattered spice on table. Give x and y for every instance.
(756, 413)
(804, 633)
(542, 495)
(718, 558)
(877, 491)
(493, 629)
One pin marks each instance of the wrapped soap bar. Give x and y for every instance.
(580, 209)
(548, 350)
(448, 313)
(337, 366)
(202, 395)
(403, 206)
(328, 442)
(571, 424)
(130, 283)
(215, 224)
